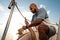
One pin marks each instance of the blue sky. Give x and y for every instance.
(50, 5)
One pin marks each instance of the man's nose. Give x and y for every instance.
(32, 9)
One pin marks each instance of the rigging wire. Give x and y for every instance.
(21, 13)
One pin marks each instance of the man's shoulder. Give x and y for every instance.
(42, 9)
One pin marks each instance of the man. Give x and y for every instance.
(40, 15)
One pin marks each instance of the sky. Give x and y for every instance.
(52, 7)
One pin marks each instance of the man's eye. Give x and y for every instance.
(30, 8)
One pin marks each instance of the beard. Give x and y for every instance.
(34, 11)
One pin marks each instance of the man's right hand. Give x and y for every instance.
(21, 30)
(24, 27)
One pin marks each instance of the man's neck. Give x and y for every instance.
(37, 11)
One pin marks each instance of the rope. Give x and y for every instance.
(26, 20)
(21, 13)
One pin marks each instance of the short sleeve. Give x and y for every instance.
(42, 13)
(32, 18)
(46, 15)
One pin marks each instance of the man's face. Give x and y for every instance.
(33, 8)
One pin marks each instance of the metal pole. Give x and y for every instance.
(8, 22)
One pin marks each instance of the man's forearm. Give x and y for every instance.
(36, 22)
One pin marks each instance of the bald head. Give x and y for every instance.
(33, 8)
(33, 4)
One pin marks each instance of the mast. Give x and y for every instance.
(11, 6)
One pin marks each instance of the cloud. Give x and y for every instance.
(1, 8)
(48, 12)
(42, 6)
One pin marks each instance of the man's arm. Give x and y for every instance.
(36, 22)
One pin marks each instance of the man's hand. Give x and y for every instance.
(24, 27)
(20, 31)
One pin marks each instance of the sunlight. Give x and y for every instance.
(17, 22)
